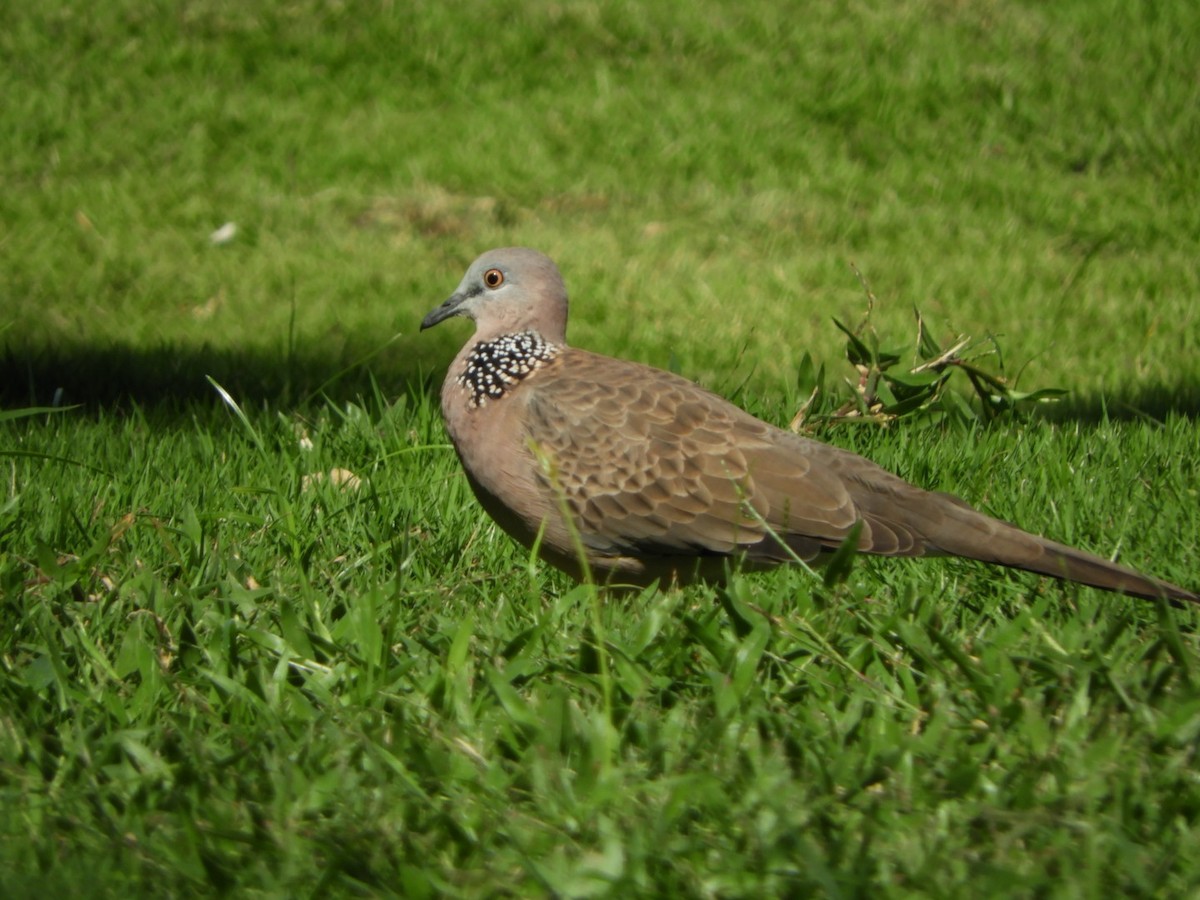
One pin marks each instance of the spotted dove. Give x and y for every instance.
(647, 476)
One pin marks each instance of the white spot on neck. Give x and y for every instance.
(494, 367)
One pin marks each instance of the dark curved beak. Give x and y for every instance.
(443, 312)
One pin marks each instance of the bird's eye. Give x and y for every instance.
(493, 278)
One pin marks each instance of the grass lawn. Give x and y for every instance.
(224, 668)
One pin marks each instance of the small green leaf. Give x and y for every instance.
(1045, 395)
(856, 351)
(923, 378)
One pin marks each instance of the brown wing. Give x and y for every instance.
(651, 464)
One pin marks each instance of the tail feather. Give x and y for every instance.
(974, 535)
(1062, 561)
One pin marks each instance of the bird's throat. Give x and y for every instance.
(493, 368)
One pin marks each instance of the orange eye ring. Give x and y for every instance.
(493, 278)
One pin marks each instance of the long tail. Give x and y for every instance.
(971, 533)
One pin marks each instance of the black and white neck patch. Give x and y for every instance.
(494, 367)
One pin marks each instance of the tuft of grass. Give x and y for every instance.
(885, 390)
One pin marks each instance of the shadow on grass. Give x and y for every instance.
(1155, 402)
(166, 378)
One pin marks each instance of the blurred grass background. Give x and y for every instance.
(703, 178)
